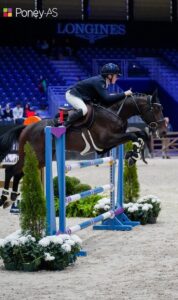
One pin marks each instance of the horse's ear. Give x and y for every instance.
(154, 96)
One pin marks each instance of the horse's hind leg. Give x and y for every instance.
(14, 193)
(5, 192)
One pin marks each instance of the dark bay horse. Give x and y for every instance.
(107, 131)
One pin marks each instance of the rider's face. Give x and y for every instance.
(114, 78)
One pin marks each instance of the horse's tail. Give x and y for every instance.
(8, 138)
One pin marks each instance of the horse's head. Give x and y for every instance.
(151, 112)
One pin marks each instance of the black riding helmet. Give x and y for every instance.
(110, 69)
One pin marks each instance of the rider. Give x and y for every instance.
(93, 89)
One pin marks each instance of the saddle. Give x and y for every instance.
(85, 121)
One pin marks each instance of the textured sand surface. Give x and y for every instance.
(140, 264)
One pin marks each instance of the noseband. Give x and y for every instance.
(150, 111)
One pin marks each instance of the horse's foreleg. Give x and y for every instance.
(5, 192)
(133, 155)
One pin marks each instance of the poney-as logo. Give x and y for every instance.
(29, 13)
(7, 12)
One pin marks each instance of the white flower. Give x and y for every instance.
(65, 237)
(142, 200)
(133, 208)
(49, 257)
(66, 247)
(147, 206)
(154, 200)
(2, 242)
(147, 198)
(31, 238)
(13, 236)
(44, 242)
(107, 207)
(55, 239)
(76, 239)
(70, 242)
(22, 240)
(14, 239)
(15, 243)
(126, 205)
(97, 206)
(58, 240)
(102, 203)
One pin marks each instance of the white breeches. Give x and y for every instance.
(76, 102)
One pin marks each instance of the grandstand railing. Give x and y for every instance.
(171, 145)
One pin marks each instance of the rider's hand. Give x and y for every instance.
(128, 93)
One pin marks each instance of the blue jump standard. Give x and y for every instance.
(120, 222)
(115, 219)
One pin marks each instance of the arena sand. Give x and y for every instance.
(140, 264)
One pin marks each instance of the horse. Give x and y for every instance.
(107, 130)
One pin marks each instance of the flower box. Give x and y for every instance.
(25, 253)
(145, 210)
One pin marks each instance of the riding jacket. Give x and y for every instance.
(94, 89)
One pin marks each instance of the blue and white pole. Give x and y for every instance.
(50, 208)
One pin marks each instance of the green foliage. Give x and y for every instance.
(80, 208)
(81, 187)
(73, 186)
(83, 207)
(131, 183)
(33, 206)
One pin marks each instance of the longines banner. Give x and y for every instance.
(91, 31)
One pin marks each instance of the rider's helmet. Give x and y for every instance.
(110, 69)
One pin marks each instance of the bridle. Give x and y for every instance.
(153, 125)
(149, 111)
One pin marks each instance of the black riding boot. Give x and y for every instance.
(73, 117)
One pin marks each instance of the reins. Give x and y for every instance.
(106, 109)
(153, 124)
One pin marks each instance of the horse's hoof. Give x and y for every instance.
(1, 202)
(136, 155)
(131, 162)
(7, 203)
